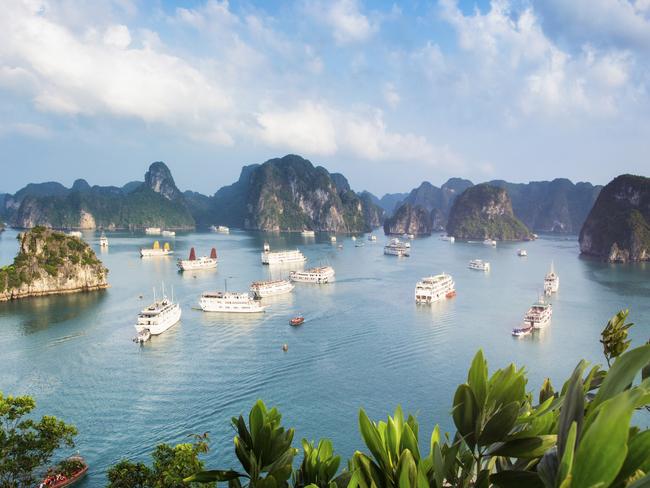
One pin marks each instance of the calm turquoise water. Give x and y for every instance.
(364, 343)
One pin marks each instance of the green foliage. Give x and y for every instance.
(319, 465)
(170, 466)
(614, 336)
(26, 444)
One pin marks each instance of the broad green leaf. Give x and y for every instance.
(477, 378)
(526, 448)
(410, 442)
(213, 475)
(499, 425)
(465, 413)
(566, 462)
(638, 456)
(603, 447)
(621, 374)
(372, 438)
(573, 409)
(546, 391)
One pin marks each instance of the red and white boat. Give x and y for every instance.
(57, 478)
(297, 320)
(203, 262)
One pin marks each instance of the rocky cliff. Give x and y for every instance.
(409, 219)
(436, 202)
(49, 263)
(373, 214)
(289, 194)
(557, 206)
(485, 211)
(156, 202)
(618, 226)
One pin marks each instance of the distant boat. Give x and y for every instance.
(538, 315)
(522, 253)
(103, 240)
(397, 248)
(307, 233)
(156, 250)
(203, 262)
(490, 242)
(521, 331)
(268, 288)
(551, 282)
(152, 230)
(434, 288)
(332, 238)
(283, 257)
(320, 275)
(354, 238)
(448, 238)
(159, 316)
(56, 479)
(168, 233)
(372, 237)
(223, 229)
(229, 302)
(297, 320)
(479, 265)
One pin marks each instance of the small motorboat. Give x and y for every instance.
(143, 336)
(451, 294)
(521, 331)
(66, 473)
(298, 320)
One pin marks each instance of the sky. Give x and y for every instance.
(389, 94)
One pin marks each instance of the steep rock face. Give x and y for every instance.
(557, 206)
(157, 202)
(49, 263)
(436, 201)
(484, 211)
(291, 194)
(372, 212)
(409, 219)
(159, 179)
(390, 201)
(618, 226)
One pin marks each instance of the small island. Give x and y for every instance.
(485, 212)
(409, 219)
(50, 263)
(618, 226)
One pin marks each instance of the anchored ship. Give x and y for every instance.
(103, 240)
(318, 275)
(268, 288)
(434, 288)
(479, 265)
(230, 302)
(282, 257)
(397, 248)
(203, 262)
(157, 317)
(152, 231)
(156, 250)
(551, 282)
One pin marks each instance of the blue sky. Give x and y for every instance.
(389, 94)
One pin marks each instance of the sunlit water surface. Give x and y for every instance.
(365, 343)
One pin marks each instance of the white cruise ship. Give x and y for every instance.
(230, 302)
(283, 257)
(307, 233)
(479, 265)
(551, 281)
(223, 229)
(490, 242)
(269, 288)
(396, 248)
(156, 250)
(522, 253)
(202, 262)
(103, 240)
(538, 315)
(434, 288)
(372, 237)
(319, 275)
(168, 233)
(158, 317)
(152, 231)
(448, 238)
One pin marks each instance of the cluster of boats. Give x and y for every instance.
(539, 314)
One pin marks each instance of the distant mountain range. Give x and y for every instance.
(287, 193)
(558, 206)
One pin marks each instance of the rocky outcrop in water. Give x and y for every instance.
(618, 226)
(482, 212)
(155, 203)
(289, 194)
(409, 219)
(50, 263)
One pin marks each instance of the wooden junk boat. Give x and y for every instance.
(56, 478)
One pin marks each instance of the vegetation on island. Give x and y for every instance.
(484, 211)
(618, 226)
(46, 253)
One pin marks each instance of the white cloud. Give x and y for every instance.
(391, 95)
(117, 36)
(345, 19)
(315, 128)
